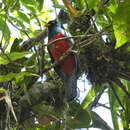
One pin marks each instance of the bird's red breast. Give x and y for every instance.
(58, 49)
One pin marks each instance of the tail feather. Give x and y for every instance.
(71, 87)
(71, 81)
(77, 60)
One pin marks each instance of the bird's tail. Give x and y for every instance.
(78, 69)
(71, 87)
(71, 81)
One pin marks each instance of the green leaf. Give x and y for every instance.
(4, 28)
(10, 2)
(20, 76)
(18, 22)
(126, 102)
(102, 21)
(28, 2)
(79, 3)
(90, 95)
(17, 76)
(92, 4)
(113, 6)
(78, 118)
(57, 5)
(40, 4)
(127, 105)
(8, 77)
(2, 90)
(23, 16)
(15, 6)
(15, 46)
(5, 59)
(98, 122)
(113, 106)
(121, 23)
(30, 5)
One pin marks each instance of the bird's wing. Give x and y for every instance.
(52, 60)
(57, 68)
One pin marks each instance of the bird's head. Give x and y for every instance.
(54, 27)
(51, 23)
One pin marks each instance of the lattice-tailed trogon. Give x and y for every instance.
(69, 68)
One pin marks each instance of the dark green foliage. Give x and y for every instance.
(81, 23)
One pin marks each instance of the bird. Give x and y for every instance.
(69, 68)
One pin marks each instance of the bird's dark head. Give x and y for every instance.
(52, 23)
(54, 27)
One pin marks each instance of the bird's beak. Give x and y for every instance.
(47, 25)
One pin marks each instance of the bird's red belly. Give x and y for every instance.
(58, 49)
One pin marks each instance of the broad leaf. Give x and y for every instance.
(121, 22)
(127, 114)
(20, 76)
(40, 4)
(78, 117)
(23, 16)
(113, 106)
(4, 29)
(57, 5)
(2, 90)
(28, 2)
(102, 21)
(30, 5)
(126, 102)
(81, 3)
(17, 76)
(90, 95)
(10, 2)
(5, 59)
(93, 4)
(15, 46)
(98, 122)
(8, 77)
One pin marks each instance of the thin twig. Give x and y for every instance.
(94, 103)
(88, 43)
(103, 105)
(38, 21)
(18, 28)
(78, 36)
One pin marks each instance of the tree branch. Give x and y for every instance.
(39, 38)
